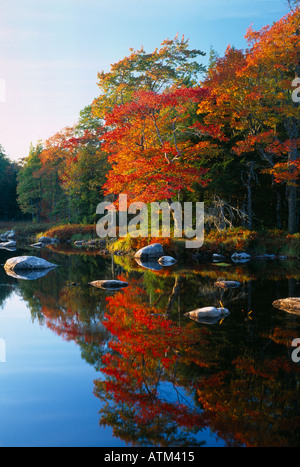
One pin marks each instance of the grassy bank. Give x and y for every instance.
(226, 243)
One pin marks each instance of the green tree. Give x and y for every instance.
(8, 183)
(174, 64)
(30, 190)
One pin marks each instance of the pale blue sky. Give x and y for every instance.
(51, 50)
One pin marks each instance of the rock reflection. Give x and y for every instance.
(28, 275)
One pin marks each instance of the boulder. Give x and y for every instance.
(240, 257)
(45, 240)
(227, 284)
(265, 256)
(109, 284)
(291, 305)
(150, 252)
(27, 263)
(9, 235)
(208, 315)
(167, 261)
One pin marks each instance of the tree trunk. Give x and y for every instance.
(278, 210)
(293, 211)
(292, 196)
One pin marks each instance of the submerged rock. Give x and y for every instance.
(167, 261)
(23, 263)
(109, 284)
(291, 305)
(209, 315)
(227, 284)
(150, 252)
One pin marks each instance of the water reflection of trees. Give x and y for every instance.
(165, 378)
(145, 388)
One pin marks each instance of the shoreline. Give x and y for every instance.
(268, 244)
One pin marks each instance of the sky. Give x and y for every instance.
(52, 50)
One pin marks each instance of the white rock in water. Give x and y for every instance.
(151, 251)
(167, 260)
(208, 312)
(27, 263)
(290, 304)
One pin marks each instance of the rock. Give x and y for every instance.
(265, 256)
(208, 315)
(167, 261)
(240, 257)
(89, 243)
(10, 234)
(227, 284)
(27, 263)
(37, 245)
(45, 240)
(109, 284)
(291, 305)
(150, 252)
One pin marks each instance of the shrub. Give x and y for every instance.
(66, 232)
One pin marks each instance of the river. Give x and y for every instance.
(82, 366)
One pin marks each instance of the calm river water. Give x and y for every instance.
(82, 366)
